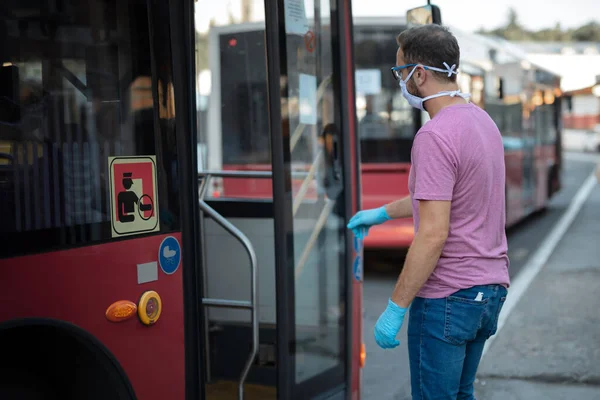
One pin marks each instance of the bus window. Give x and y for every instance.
(70, 99)
(232, 108)
(386, 122)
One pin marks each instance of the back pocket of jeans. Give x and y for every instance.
(463, 319)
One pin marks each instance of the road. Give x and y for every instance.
(386, 374)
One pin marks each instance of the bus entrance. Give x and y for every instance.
(274, 196)
(175, 182)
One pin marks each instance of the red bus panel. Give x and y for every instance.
(78, 285)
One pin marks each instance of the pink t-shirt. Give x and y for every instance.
(459, 156)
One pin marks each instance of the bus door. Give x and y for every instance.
(275, 164)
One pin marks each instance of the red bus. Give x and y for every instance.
(122, 275)
(523, 99)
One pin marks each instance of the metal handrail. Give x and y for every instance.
(245, 174)
(308, 176)
(235, 174)
(252, 305)
(329, 204)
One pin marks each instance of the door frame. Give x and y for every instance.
(284, 284)
(321, 385)
(181, 19)
(182, 42)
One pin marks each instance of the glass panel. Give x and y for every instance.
(386, 122)
(233, 135)
(309, 110)
(233, 118)
(76, 88)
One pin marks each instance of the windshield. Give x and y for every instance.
(387, 123)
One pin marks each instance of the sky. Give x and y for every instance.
(470, 15)
(467, 15)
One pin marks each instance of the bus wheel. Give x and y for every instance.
(53, 360)
(24, 391)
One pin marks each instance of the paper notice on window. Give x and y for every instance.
(368, 81)
(308, 99)
(295, 17)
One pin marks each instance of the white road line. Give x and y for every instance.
(538, 260)
(586, 157)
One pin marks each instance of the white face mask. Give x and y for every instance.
(417, 101)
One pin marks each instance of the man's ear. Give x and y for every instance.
(420, 76)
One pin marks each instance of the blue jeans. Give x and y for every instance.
(446, 338)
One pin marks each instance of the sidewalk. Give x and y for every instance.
(549, 347)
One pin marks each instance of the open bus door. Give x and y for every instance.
(281, 276)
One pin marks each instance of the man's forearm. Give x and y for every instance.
(400, 208)
(420, 262)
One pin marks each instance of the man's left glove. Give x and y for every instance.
(388, 325)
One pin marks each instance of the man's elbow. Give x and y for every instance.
(434, 236)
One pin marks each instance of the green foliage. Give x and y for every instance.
(201, 51)
(513, 30)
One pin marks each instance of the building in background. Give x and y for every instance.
(579, 64)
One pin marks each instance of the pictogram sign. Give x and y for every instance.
(133, 195)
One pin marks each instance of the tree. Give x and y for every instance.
(513, 30)
(590, 32)
(246, 10)
(513, 20)
(202, 50)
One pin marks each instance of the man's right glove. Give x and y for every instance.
(388, 325)
(363, 220)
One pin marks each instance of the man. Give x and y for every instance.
(455, 276)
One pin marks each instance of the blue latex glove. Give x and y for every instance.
(363, 220)
(388, 325)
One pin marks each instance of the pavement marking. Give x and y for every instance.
(539, 258)
(585, 157)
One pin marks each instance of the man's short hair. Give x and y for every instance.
(431, 45)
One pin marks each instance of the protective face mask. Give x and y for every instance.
(416, 101)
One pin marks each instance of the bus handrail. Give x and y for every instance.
(245, 174)
(205, 176)
(235, 174)
(252, 305)
(329, 204)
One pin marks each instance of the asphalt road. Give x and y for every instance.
(386, 374)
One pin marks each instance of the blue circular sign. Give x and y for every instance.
(169, 255)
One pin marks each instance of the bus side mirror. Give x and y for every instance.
(425, 15)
